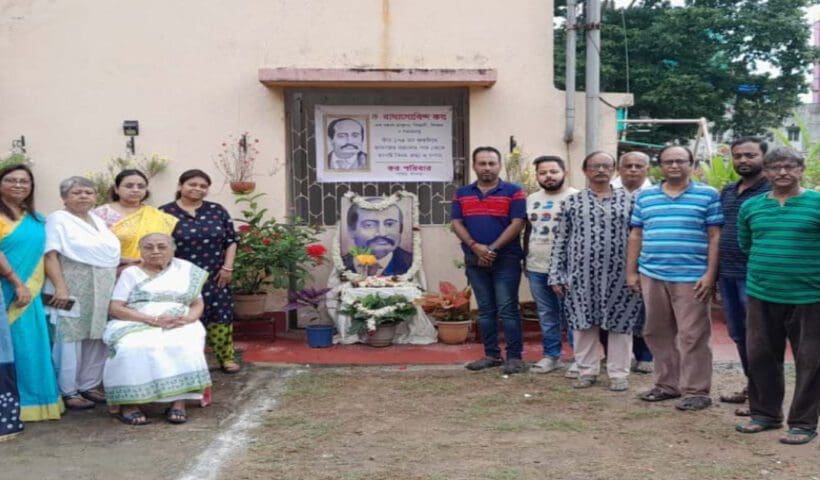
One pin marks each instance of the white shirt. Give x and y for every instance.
(543, 212)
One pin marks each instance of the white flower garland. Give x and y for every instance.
(379, 205)
(374, 315)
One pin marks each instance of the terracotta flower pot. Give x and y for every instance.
(453, 333)
(383, 336)
(242, 187)
(249, 306)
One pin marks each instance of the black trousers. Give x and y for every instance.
(768, 327)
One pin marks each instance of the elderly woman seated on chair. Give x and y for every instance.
(155, 337)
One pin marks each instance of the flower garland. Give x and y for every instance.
(379, 205)
(368, 312)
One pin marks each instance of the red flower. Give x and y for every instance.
(316, 250)
(266, 241)
(244, 228)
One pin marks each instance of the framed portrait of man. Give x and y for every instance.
(346, 143)
(383, 227)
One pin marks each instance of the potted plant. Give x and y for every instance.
(151, 166)
(320, 328)
(377, 316)
(450, 308)
(236, 162)
(270, 255)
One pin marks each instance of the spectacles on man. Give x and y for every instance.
(788, 167)
(674, 161)
(17, 181)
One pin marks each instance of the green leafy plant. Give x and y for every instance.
(271, 254)
(151, 165)
(15, 158)
(518, 170)
(718, 172)
(372, 310)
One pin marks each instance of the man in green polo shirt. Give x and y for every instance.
(780, 231)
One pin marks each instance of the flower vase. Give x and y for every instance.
(383, 336)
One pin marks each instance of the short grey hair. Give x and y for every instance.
(635, 153)
(158, 234)
(783, 153)
(71, 182)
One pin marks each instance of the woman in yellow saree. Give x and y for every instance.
(129, 218)
(22, 244)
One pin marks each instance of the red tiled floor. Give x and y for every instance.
(291, 347)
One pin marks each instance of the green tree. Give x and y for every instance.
(739, 63)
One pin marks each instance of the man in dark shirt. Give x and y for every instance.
(488, 216)
(747, 160)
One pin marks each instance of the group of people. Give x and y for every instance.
(111, 304)
(631, 267)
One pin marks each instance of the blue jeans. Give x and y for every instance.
(496, 292)
(549, 313)
(733, 297)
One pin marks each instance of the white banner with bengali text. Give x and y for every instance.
(383, 143)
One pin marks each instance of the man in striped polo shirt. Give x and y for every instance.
(780, 231)
(488, 216)
(673, 261)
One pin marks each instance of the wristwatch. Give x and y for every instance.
(491, 249)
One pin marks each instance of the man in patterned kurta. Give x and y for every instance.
(587, 269)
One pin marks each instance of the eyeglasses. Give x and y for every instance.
(17, 181)
(676, 161)
(793, 167)
(602, 166)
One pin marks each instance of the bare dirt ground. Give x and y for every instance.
(452, 424)
(91, 444)
(366, 423)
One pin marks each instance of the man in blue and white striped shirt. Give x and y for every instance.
(673, 261)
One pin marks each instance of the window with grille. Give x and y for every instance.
(318, 203)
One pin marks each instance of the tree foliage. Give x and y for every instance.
(740, 63)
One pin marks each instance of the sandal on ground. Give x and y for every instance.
(76, 402)
(176, 416)
(94, 395)
(737, 397)
(743, 412)
(135, 418)
(230, 367)
(694, 403)
(757, 426)
(798, 436)
(657, 395)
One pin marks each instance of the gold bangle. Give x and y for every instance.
(226, 268)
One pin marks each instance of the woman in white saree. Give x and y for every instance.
(155, 338)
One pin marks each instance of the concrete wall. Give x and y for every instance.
(187, 70)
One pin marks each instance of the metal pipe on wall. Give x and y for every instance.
(592, 17)
(569, 74)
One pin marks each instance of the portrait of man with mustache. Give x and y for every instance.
(346, 137)
(381, 232)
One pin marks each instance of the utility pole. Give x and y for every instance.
(593, 73)
(571, 27)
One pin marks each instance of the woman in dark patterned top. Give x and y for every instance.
(205, 236)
